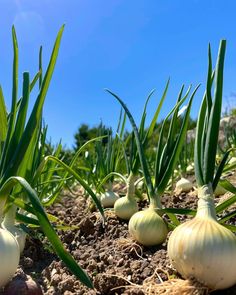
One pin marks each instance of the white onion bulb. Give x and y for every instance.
(18, 233)
(9, 256)
(125, 207)
(148, 228)
(204, 249)
(184, 185)
(9, 224)
(108, 199)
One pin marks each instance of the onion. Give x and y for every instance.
(9, 224)
(9, 255)
(203, 248)
(18, 233)
(184, 185)
(125, 207)
(147, 227)
(108, 199)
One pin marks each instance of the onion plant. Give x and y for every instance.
(18, 140)
(110, 158)
(126, 207)
(46, 186)
(147, 226)
(202, 247)
(102, 163)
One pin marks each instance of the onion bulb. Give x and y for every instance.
(9, 256)
(125, 207)
(147, 227)
(18, 233)
(9, 224)
(184, 185)
(204, 249)
(108, 199)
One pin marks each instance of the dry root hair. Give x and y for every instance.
(173, 286)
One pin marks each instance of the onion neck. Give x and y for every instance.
(9, 218)
(110, 186)
(130, 187)
(2, 204)
(155, 202)
(206, 206)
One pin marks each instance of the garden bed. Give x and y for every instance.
(115, 263)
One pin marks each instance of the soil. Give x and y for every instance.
(115, 263)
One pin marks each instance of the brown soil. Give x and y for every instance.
(115, 263)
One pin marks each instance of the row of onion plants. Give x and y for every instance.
(30, 179)
(199, 247)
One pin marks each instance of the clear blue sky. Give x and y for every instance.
(128, 46)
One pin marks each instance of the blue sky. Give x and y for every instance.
(128, 46)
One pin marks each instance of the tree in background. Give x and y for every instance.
(86, 133)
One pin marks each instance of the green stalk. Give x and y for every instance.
(214, 120)
(7, 146)
(155, 202)
(130, 186)
(207, 139)
(2, 204)
(208, 126)
(10, 216)
(210, 115)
